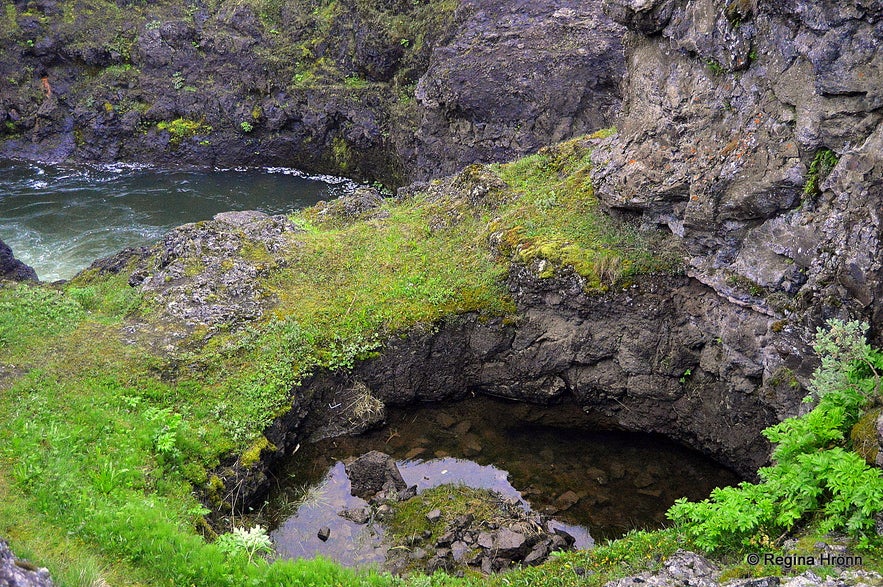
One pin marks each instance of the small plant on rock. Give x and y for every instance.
(821, 166)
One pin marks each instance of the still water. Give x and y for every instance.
(60, 219)
(595, 485)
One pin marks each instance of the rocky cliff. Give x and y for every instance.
(389, 91)
(752, 130)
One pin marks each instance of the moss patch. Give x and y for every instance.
(863, 436)
(252, 454)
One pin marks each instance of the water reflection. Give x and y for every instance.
(594, 484)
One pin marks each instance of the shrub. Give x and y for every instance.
(812, 473)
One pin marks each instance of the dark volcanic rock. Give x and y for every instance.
(326, 91)
(372, 473)
(13, 269)
(19, 573)
(726, 108)
(622, 356)
(515, 76)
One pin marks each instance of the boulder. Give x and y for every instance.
(372, 473)
(15, 572)
(13, 269)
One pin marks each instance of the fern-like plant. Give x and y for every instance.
(812, 473)
(251, 542)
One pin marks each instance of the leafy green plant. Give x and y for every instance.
(715, 67)
(812, 473)
(355, 82)
(820, 167)
(251, 542)
(165, 436)
(687, 373)
(246, 126)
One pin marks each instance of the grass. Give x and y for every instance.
(409, 520)
(107, 438)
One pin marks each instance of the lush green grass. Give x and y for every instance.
(105, 440)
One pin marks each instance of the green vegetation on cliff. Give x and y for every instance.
(814, 476)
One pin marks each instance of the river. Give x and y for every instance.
(58, 219)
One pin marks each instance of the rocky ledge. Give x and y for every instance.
(13, 269)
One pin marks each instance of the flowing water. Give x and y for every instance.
(594, 484)
(59, 219)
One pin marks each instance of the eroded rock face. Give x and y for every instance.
(513, 77)
(726, 106)
(331, 91)
(13, 269)
(666, 355)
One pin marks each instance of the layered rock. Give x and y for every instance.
(666, 355)
(733, 115)
(15, 572)
(513, 77)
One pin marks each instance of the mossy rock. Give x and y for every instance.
(252, 454)
(864, 436)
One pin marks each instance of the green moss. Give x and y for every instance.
(252, 454)
(820, 167)
(183, 128)
(340, 152)
(741, 282)
(556, 220)
(409, 518)
(863, 436)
